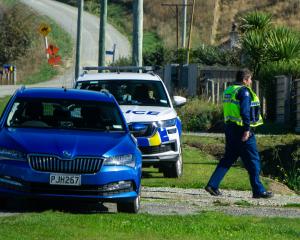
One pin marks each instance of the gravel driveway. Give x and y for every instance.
(169, 201)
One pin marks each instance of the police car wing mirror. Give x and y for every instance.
(179, 101)
(137, 128)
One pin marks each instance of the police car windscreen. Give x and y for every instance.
(65, 114)
(131, 92)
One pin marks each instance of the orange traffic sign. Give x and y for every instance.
(52, 50)
(44, 29)
(54, 60)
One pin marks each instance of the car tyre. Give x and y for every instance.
(130, 207)
(175, 169)
(3, 202)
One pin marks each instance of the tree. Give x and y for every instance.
(15, 37)
(264, 44)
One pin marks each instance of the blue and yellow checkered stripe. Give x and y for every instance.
(157, 139)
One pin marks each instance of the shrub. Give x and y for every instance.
(200, 115)
(15, 34)
(282, 162)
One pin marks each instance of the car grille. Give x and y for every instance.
(159, 149)
(55, 164)
(150, 130)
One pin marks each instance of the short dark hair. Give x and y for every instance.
(243, 74)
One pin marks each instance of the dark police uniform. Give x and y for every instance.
(235, 147)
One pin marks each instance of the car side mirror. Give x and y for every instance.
(179, 101)
(137, 128)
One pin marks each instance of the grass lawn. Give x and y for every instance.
(3, 102)
(197, 169)
(58, 225)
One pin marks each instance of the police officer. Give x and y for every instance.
(241, 111)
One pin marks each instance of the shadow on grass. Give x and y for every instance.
(149, 174)
(16, 205)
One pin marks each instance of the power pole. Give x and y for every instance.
(184, 14)
(137, 49)
(177, 18)
(102, 32)
(78, 42)
(190, 34)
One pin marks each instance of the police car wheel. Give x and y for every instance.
(130, 207)
(175, 169)
(3, 202)
(178, 167)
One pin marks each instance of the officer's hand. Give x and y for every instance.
(246, 135)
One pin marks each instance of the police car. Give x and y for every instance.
(144, 99)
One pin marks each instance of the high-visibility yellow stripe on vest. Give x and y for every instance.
(232, 107)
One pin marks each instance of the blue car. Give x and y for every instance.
(66, 143)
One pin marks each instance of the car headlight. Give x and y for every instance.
(121, 160)
(166, 123)
(12, 154)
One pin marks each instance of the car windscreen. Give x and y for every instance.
(65, 114)
(130, 92)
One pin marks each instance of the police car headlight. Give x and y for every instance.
(121, 160)
(166, 123)
(9, 154)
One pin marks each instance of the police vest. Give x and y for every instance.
(232, 107)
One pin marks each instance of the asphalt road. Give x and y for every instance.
(66, 16)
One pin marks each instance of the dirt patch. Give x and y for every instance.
(280, 188)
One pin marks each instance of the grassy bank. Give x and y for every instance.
(3, 102)
(57, 225)
(33, 67)
(64, 42)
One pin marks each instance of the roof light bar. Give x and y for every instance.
(119, 68)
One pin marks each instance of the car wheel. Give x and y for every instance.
(3, 202)
(175, 170)
(130, 207)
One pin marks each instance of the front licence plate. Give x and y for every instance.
(65, 179)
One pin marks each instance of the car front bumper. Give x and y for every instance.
(110, 184)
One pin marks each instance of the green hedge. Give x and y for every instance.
(200, 115)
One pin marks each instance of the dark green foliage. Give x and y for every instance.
(15, 35)
(199, 115)
(211, 55)
(255, 21)
(269, 50)
(283, 44)
(283, 163)
(159, 57)
(206, 55)
(123, 61)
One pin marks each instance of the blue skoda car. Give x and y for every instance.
(59, 143)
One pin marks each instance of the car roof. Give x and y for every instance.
(63, 93)
(119, 76)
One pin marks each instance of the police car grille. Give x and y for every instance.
(158, 149)
(150, 130)
(55, 164)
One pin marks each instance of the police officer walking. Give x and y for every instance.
(241, 111)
